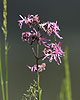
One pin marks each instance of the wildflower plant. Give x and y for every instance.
(52, 49)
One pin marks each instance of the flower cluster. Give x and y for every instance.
(51, 50)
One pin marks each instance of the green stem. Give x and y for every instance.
(67, 76)
(39, 90)
(62, 91)
(6, 67)
(4, 28)
(1, 77)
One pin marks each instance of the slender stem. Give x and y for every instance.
(1, 78)
(39, 90)
(32, 47)
(4, 29)
(67, 76)
(34, 52)
(6, 68)
(62, 91)
(37, 65)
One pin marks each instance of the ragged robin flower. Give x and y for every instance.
(30, 20)
(35, 36)
(51, 27)
(26, 36)
(55, 52)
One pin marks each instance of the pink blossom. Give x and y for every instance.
(47, 54)
(33, 36)
(31, 19)
(37, 36)
(51, 27)
(21, 21)
(33, 68)
(26, 36)
(54, 53)
(56, 30)
(36, 19)
(44, 42)
(40, 67)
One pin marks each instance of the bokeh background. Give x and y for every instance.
(67, 13)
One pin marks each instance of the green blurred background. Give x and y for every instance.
(66, 12)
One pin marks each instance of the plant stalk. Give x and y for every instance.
(39, 89)
(1, 78)
(67, 76)
(4, 29)
(6, 67)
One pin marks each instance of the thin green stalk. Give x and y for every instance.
(39, 90)
(65, 93)
(1, 78)
(4, 28)
(67, 76)
(6, 68)
(62, 91)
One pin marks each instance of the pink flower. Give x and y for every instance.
(43, 41)
(31, 19)
(21, 21)
(47, 54)
(26, 36)
(40, 67)
(51, 27)
(56, 30)
(33, 68)
(36, 19)
(33, 36)
(37, 36)
(54, 53)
